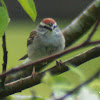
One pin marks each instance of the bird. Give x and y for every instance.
(47, 39)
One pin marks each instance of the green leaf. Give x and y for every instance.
(97, 3)
(57, 83)
(78, 72)
(4, 5)
(29, 7)
(48, 79)
(4, 20)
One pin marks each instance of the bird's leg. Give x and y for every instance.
(33, 72)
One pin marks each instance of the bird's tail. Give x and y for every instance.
(27, 61)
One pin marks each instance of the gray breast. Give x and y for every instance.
(45, 46)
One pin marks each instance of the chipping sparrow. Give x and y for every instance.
(45, 40)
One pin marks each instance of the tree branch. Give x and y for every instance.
(94, 30)
(24, 83)
(4, 58)
(84, 57)
(82, 23)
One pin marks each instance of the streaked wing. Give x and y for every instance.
(24, 57)
(31, 37)
(29, 41)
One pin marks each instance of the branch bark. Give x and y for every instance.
(30, 81)
(82, 23)
(4, 65)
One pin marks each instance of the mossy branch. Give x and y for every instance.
(79, 26)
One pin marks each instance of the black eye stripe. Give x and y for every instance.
(47, 27)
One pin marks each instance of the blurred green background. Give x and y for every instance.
(16, 36)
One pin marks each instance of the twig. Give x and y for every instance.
(78, 87)
(77, 60)
(94, 30)
(84, 57)
(4, 57)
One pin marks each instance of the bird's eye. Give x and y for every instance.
(55, 26)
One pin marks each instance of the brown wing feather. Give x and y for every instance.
(31, 37)
(29, 41)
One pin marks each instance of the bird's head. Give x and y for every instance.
(48, 23)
